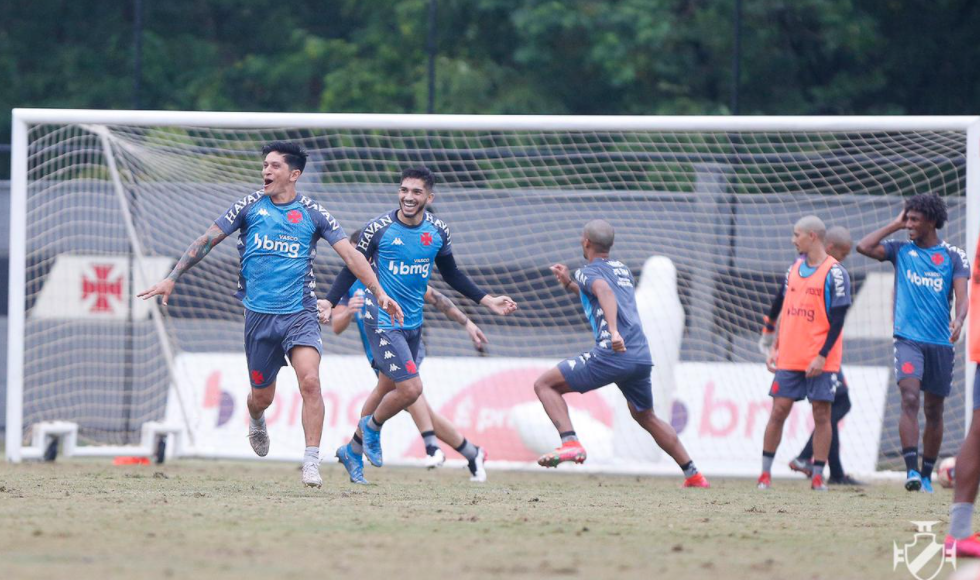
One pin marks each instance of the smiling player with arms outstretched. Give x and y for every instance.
(403, 245)
(277, 244)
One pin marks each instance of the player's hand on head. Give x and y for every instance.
(162, 288)
(618, 344)
(323, 311)
(476, 335)
(955, 327)
(900, 220)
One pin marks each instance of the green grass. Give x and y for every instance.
(194, 519)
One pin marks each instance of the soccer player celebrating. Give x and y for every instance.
(277, 244)
(967, 544)
(807, 352)
(838, 244)
(928, 272)
(431, 424)
(403, 244)
(621, 354)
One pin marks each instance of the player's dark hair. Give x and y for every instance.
(294, 155)
(355, 235)
(931, 206)
(420, 172)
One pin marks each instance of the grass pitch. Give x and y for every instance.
(195, 519)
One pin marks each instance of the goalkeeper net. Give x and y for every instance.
(703, 213)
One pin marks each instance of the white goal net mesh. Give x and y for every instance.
(719, 205)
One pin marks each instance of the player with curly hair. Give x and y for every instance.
(928, 274)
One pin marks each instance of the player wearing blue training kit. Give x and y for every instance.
(431, 425)
(404, 246)
(279, 230)
(620, 355)
(929, 273)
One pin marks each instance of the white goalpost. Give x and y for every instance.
(103, 203)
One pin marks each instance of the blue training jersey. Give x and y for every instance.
(403, 257)
(358, 286)
(276, 246)
(620, 279)
(924, 288)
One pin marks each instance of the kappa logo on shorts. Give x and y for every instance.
(571, 363)
(393, 368)
(908, 368)
(383, 342)
(389, 354)
(257, 377)
(410, 367)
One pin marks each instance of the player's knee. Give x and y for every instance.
(821, 414)
(411, 389)
(309, 385)
(910, 401)
(779, 413)
(933, 412)
(261, 398)
(542, 385)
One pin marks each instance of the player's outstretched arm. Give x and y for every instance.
(194, 254)
(870, 245)
(452, 312)
(564, 277)
(461, 283)
(607, 301)
(358, 265)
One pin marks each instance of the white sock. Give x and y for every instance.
(312, 455)
(257, 423)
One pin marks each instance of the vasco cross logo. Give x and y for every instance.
(923, 556)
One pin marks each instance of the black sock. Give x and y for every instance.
(689, 469)
(911, 455)
(356, 444)
(567, 436)
(927, 464)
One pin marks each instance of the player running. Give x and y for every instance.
(838, 244)
(432, 425)
(276, 244)
(403, 244)
(621, 354)
(928, 272)
(807, 352)
(967, 544)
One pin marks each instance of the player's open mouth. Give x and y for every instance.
(409, 204)
(268, 182)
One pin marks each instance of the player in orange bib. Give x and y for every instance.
(807, 353)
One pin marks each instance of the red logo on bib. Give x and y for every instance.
(295, 216)
(427, 239)
(938, 259)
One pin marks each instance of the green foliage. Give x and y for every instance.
(496, 56)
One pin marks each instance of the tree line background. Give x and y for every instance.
(798, 57)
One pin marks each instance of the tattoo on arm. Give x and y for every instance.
(446, 306)
(197, 250)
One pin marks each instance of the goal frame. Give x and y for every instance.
(23, 118)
